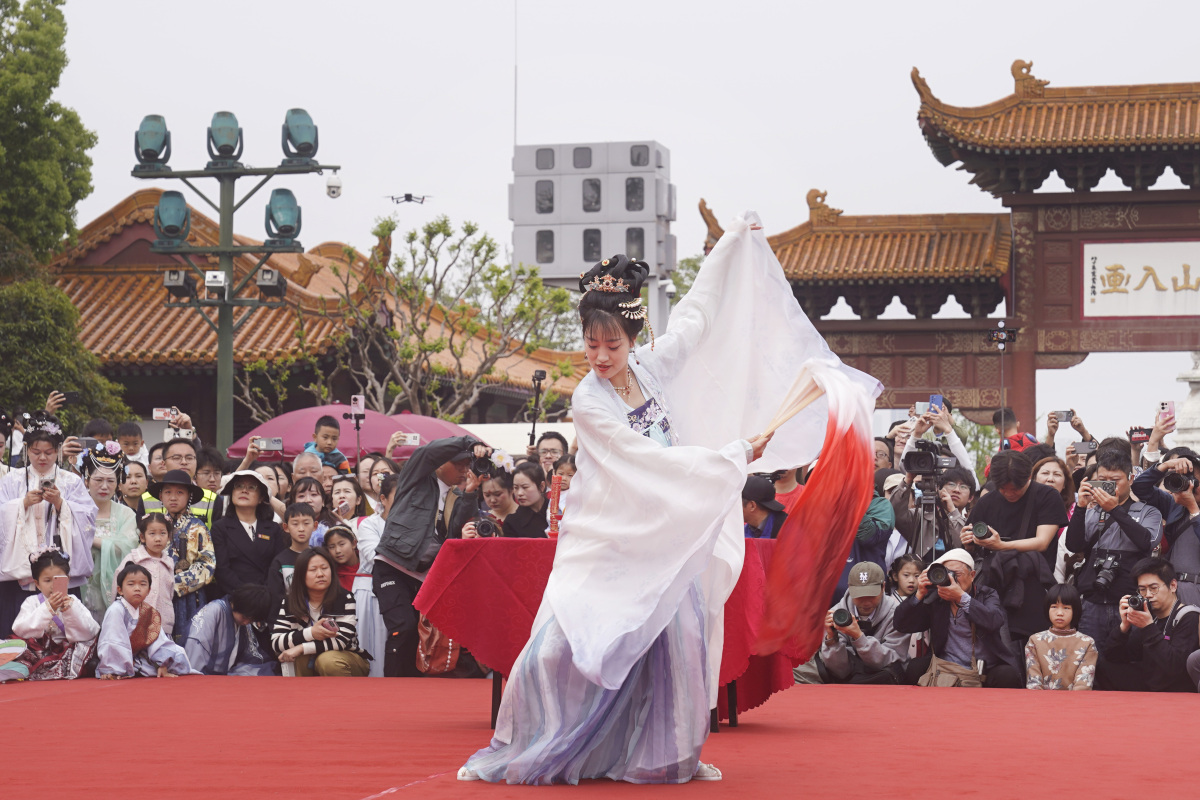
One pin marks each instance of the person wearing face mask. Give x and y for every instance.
(116, 525)
(41, 506)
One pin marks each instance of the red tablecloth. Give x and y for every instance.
(486, 592)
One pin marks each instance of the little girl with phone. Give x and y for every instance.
(58, 632)
(132, 639)
(1061, 657)
(154, 535)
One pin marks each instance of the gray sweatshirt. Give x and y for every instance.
(884, 646)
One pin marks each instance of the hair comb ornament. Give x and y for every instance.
(607, 283)
(33, 557)
(41, 422)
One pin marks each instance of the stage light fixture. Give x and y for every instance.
(300, 140)
(152, 144)
(224, 140)
(172, 219)
(282, 217)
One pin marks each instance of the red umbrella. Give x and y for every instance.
(429, 428)
(296, 429)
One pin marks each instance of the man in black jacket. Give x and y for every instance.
(1149, 651)
(966, 623)
(762, 514)
(1181, 513)
(415, 529)
(1113, 533)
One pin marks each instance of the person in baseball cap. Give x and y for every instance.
(861, 643)
(762, 513)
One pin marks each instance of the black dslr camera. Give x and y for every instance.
(482, 467)
(1106, 571)
(841, 617)
(1176, 482)
(486, 528)
(1136, 602)
(939, 576)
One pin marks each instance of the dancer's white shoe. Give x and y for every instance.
(465, 774)
(706, 772)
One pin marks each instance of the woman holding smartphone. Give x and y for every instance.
(317, 626)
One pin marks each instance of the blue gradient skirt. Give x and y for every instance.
(556, 726)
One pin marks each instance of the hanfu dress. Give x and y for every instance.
(622, 665)
(133, 642)
(25, 532)
(57, 645)
(116, 537)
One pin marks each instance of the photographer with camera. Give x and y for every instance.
(415, 528)
(1149, 650)
(861, 643)
(1177, 502)
(1113, 534)
(955, 491)
(1011, 529)
(968, 629)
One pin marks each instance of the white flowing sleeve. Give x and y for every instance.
(634, 538)
(33, 619)
(76, 526)
(733, 348)
(165, 653)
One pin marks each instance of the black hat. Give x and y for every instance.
(761, 491)
(176, 477)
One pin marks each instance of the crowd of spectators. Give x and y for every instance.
(120, 559)
(1076, 571)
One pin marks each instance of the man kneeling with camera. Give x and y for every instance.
(861, 642)
(1114, 534)
(968, 629)
(1149, 651)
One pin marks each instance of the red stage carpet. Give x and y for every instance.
(350, 738)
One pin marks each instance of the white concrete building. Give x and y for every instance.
(575, 204)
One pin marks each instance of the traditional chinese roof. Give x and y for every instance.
(946, 251)
(116, 284)
(1013, 144)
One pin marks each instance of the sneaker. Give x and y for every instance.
(706, 772)
(465, 774)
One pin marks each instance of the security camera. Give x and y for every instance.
(671, 292)
(333, 186)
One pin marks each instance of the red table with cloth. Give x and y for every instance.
(485, 593)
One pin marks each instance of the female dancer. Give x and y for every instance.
(622, 664)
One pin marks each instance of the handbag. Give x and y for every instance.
(436, 652)
(947, 673)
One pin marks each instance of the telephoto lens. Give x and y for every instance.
(1177, 482)
(1137, 602)
(842, 618)
(939, 575)
(485, 527)
(980, 530)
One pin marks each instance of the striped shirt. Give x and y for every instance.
(290, 631)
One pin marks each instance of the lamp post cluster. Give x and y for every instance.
(172, 223)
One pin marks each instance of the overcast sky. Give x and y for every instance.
(757, 101)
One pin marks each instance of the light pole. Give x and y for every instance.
(172, 221)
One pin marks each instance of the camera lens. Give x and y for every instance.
(1137, 602)
(980, 530)
(1177, 482)
(485, 527)
(482, 467)
(841, 617)
(938, 575)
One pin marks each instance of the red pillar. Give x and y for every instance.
(1020, 387)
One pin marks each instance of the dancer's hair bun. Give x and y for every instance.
(618, 274)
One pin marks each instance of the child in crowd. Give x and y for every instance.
(354, 561)
(129, 436)
(564, 468)
(191, 547)
(308, 490)
(902, 584)
(132, 640)
(299, 520)
(1061, 657)
(99, 429)
(325, 442)
(58, 631)
(154, 535)
(902, 577)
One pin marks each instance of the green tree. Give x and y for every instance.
(684, 274)
(40, 347)
(44, 166)
(425, 330)
(982, 442)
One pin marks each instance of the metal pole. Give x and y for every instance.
(225, 322)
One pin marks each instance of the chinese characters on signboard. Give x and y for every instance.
(1141, 279)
